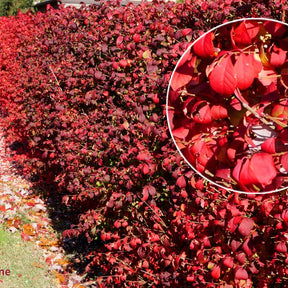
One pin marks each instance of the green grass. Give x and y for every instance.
(26, 264)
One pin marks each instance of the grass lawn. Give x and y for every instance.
(21, 263)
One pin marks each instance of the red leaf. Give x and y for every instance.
(278, 56)
(253, 171)
(246, 69)
(247, 247)
(241, 274)
(119, 41)
(143, 156)
(150, 190)
(267, 206)
(117, 224)
(216, 271)
(184, 73)
(284, 161)
(235, 245)
(281, 247)
(145, 169)
(253, 269)
(228, 262)
(236, 104)
(181, 182)
(269, 145)
(222, 76)
(204, 47)
(203, 154)
(180, 132)
(223, 173)
(264, 173)
(271, 93)
(186, 31)
(145, 264)
(233, 224)
(240, 172)
(245, 32)
(136, 38)
(145, 194)
(234, 211)
(218, 112)
(201, 112)
(246, 226)
(123, 63)
(190, 278)
(241, 257)
(284, 216)
(115, 65)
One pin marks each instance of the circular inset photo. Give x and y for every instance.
(227, 105)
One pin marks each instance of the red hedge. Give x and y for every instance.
(83, 97)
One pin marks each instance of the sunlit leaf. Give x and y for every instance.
(218, 112)
(201, 112)
(278, 56)
(245, 32)
(186, 31)
(119, 41)
(247, 247)
(216, 271)
(253, 171)
(180, 132)
(228, 262)
(284, 161)
(235, 244)
(222, 77)
(245, 227)
(204, 46)
(281, 247)
(269, 145)
(246, 69)
(181, 182)
(241, 274)
(184, 73)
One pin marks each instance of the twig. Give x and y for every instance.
(276, 121)
(250, 109)
(55, 77)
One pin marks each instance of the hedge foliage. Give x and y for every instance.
(83, 96)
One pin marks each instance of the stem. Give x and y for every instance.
(160, 220)
(55, 77)
(276, 121)
(250, 109)
(209, 173)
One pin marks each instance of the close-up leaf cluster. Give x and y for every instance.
(227, 105)
(83, 96)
